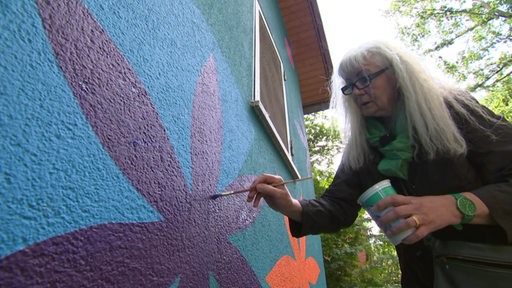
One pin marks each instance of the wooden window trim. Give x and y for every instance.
(276, 125)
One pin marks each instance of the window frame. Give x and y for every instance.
(284, 146)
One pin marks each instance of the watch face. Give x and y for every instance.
(466, 206)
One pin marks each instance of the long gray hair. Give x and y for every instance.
(423, 99)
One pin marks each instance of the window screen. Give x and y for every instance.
(269, 93)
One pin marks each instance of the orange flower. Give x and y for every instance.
(298, 272)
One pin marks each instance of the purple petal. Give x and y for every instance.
(232, 270)
(206, 131)
(99, 256)
(115, 103)
(233, 212)
(304, 140)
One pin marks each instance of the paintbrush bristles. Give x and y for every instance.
(226, 193)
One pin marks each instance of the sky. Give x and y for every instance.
(348, 23)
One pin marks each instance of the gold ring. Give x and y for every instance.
(416, 220)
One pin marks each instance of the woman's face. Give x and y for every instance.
(379, 98)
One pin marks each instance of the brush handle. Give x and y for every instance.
(274, 185)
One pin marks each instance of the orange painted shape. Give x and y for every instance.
(290, 272)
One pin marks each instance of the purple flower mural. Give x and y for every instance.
(301, 130)
(191, 243)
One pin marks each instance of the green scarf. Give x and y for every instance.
(397, 152)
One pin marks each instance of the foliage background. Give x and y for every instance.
(470, 40)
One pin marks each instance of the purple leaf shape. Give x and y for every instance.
(192, 240)
(304, 139)
(206, 148)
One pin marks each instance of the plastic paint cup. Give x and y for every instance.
(373, 195)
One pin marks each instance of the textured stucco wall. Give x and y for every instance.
(118, 121)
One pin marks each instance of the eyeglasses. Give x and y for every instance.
(362, 82)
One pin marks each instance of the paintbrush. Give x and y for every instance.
(232, 192)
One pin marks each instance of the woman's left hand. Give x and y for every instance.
(425, 213)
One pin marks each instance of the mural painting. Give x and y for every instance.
(294, 272)
(169, 163)
(133, 135)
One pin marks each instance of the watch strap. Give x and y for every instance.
(466, 207)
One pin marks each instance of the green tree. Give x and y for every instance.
(470, 40)
(341, 250)
(500, 100)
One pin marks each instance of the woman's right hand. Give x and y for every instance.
(277, 197)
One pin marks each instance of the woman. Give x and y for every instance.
(430, 140)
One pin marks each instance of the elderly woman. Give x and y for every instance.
(448, 158)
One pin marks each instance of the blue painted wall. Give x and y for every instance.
(91, 192)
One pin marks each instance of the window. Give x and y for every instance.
(269, 90)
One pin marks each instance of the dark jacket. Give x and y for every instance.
(486, 171)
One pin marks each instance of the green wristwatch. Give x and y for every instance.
(466, 207)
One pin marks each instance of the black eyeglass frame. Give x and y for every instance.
(349, 88)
